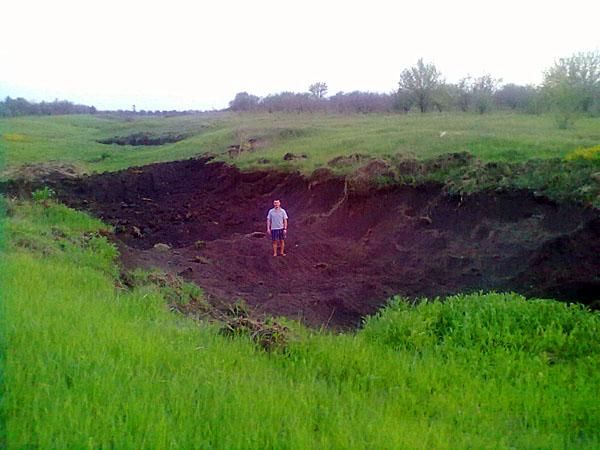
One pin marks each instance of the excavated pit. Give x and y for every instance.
(347, 253)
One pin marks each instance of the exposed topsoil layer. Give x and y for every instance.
(347, 251)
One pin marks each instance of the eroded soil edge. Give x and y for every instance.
(346, 253)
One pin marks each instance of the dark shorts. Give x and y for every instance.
(277, 235)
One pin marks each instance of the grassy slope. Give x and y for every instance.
(501, 136)
(89, 365)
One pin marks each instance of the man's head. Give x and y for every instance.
(276, 204)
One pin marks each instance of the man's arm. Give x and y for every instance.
(285, 222)
(268, 225)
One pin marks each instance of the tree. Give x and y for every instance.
(483, 90)
(513, 96)
(422, 83)
(403, 100)
(361, 102)
(572, 87)
(581, 73)
(473, 94)
(318, 90)
(243, 102)
(564, 100)
(463, 94)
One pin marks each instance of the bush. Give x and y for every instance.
(488, 323)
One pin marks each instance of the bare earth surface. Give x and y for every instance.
(347, 253)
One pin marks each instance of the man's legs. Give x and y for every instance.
(282, 247)
(274, 248)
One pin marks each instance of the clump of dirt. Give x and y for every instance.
(292, 156)
(407, 166)
(138, 139)
(246, 145)
(348, 250)
(349, 160)
(268, 333)
(375, 172)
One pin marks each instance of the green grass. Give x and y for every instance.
(492, 137)
(73, 139)
(89, 364)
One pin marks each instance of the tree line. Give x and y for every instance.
(571, 88)
(12, 107)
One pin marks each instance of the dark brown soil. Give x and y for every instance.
(347, 251)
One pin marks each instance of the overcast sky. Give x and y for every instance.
(197, 54)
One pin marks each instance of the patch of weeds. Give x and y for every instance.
(8, 206)
(239, 308)
(200, 244)
(99, 245)
(32, 244)
(575, 178)
(142, 139)
(16, 137)
(173, 288)
(565, 119)
(103, 157)
(386, 180)
(290, 133)
(588, 153)
(43, 195)
(268, 334)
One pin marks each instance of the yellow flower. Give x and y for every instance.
(15, 137)
(588, 153)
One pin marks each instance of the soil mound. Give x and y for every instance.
(347, 251)
(349, 160)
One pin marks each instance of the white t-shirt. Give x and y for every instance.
(276, 217)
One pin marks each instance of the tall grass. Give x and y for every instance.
(89, 364)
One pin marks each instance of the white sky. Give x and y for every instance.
(197, 54)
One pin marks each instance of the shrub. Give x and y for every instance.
(488, 323)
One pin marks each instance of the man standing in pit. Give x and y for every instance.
(277, 223)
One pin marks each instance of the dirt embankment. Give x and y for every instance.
(347, 251)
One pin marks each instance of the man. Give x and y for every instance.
(277, 223)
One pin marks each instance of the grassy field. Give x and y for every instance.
(491, 137)
(89, 365)
(86, 363)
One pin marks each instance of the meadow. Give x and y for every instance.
(88, 363)
(321, 137)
